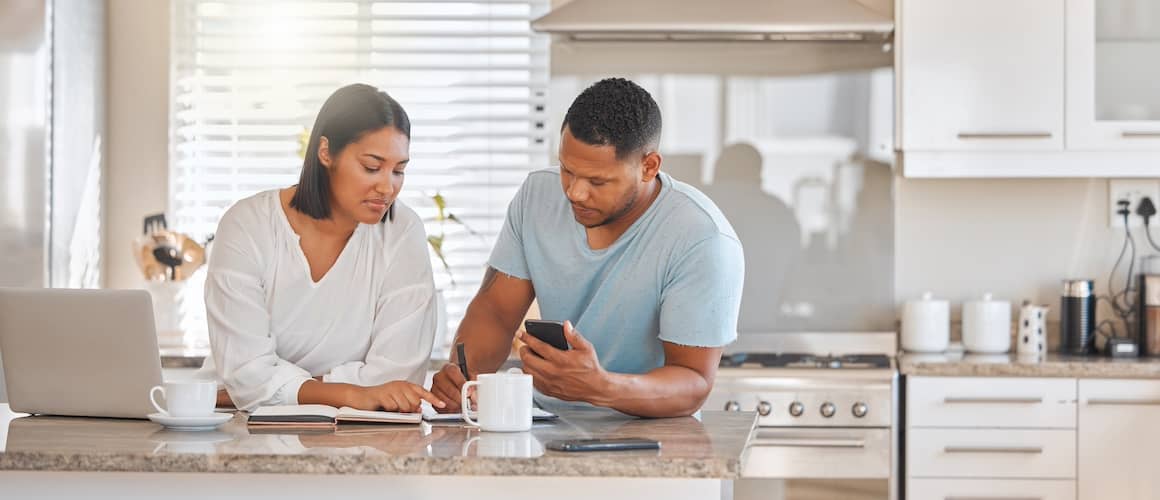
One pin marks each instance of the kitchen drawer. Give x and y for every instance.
(989, 489)
(991, 453)
(1041, 403)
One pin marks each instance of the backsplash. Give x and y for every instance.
(1015, 238)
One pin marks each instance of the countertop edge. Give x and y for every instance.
(361, 464)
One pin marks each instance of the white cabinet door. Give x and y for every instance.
(989, 489)
(1005, 403)
(1119, 433)
(1112, 99)
(981, 75)
(990, 453)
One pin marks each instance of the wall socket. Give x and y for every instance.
(1132, 190)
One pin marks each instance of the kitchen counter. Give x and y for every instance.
(709, 448)
(1010, 365)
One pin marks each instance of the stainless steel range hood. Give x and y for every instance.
(719, 20)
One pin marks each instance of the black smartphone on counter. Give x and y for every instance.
(603, 444)
(550, 332)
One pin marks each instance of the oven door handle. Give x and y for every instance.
(806, 442)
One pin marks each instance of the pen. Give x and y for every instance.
(462, 359)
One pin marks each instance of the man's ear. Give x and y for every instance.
(324, 151)
(650, 166)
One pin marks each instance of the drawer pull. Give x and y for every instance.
(992, 401)
(1024, 450)
(1123, 402)
(807, 443)
(1005, 135)
(1140, 134)
(993, 498)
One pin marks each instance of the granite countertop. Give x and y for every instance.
(709, 448)
(956, 364)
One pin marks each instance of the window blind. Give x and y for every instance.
(249, 76)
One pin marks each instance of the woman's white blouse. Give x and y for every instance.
(369, 320)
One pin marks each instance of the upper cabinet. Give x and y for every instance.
(981, 75)
(1113, 75)
(1028, 88)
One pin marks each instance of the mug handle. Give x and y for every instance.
(465, 403)
(153, 399)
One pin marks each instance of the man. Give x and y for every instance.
(645, 269)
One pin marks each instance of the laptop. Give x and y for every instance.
(90, 353)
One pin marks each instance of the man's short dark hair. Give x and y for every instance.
(616, 112)
(348, 114)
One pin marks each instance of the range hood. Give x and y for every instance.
(718, 20)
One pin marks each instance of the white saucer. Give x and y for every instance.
(206, 423)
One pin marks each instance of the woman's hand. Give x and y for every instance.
(400, 395)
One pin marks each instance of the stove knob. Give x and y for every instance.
(828, 410)
(732, 406)
(796, 409)
(764, 408)
(860, 410)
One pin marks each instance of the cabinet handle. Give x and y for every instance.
(954, 400)
(993, 498)
(1004, 135)
(1028, 450)
(1123, 402)
(808, 443)
(1139, 134)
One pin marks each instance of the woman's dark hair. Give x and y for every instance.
(348, 114)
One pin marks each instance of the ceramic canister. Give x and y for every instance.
(925, 325)
(987, 325)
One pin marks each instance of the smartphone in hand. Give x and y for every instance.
(550, 332)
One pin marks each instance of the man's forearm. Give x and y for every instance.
(486, 338)
(668, 391)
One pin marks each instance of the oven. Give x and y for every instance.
(827, 424)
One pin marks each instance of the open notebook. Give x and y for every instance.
(323, 415)
(430, 415)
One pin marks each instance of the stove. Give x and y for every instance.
(826, 407)
(801, 360)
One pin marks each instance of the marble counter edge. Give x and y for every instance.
(1062, 369)
(361, 464)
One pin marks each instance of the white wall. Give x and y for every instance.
(1015, 238)
(138, 129)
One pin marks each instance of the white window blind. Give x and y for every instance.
(249, 77)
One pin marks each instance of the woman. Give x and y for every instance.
(322, 292)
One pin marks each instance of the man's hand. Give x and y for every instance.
(446, 385)
(572, 375)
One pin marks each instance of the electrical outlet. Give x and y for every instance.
(1132, 190)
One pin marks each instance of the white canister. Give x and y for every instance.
(987, 325)
(1032, 338)
(926, 325)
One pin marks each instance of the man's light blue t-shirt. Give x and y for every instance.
(675, 275)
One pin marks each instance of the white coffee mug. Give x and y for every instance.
(186, 398)
(504, 402)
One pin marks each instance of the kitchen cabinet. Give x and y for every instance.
(1028, 88)
(997, 489)
(1112, 98)
(972, 80)
(973, 437)
(1118, 439)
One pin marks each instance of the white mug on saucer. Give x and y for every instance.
(186, 398)
(504, 401)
